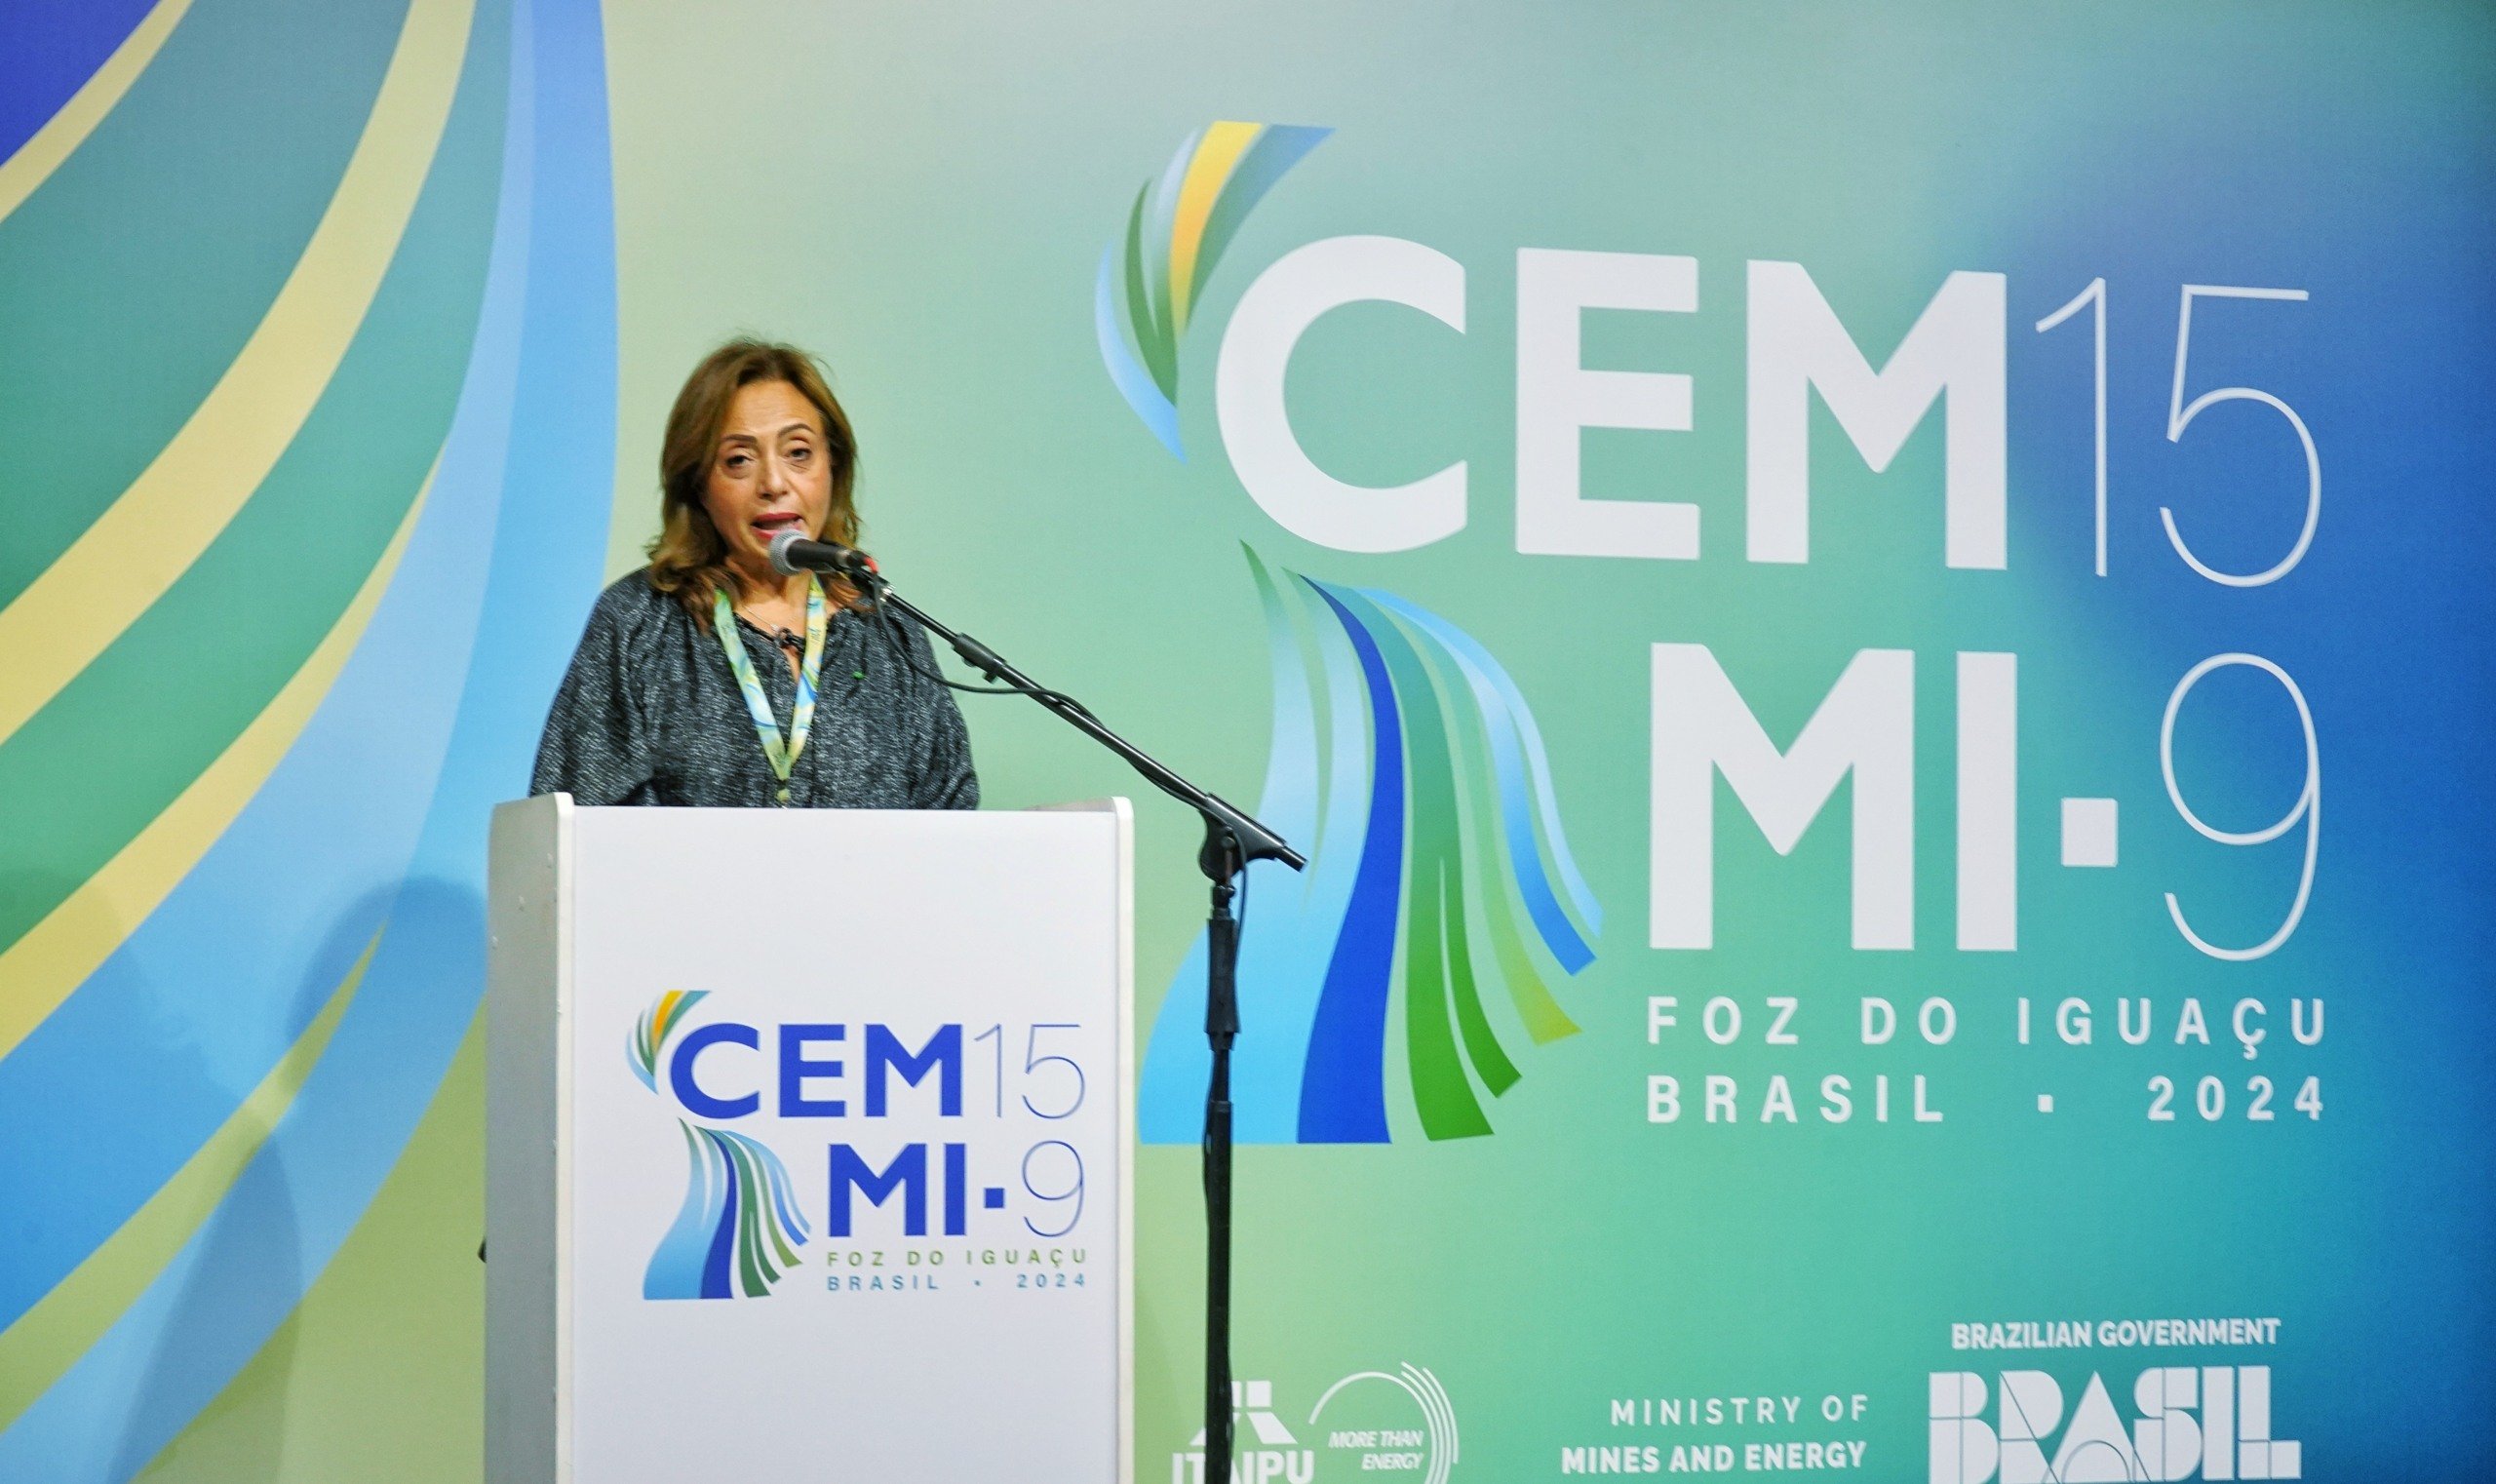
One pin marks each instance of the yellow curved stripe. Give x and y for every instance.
(57, 953)
(65, 1324)
(158, 526)
(1217, 156)
(61, 134)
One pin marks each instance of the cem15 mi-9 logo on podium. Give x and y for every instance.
(746, 1215)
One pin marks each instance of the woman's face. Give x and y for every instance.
(770, 472)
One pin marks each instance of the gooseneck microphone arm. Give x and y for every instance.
(1232, 839)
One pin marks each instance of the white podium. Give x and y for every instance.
(808, 1144)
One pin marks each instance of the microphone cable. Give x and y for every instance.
(899, 644)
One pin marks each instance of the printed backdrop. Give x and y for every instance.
(1874, 619)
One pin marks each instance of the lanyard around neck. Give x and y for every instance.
(781, 753)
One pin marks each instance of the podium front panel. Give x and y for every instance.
(847, 1141)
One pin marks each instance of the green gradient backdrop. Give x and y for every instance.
(922, 195)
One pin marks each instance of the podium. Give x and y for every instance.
(808, 1141)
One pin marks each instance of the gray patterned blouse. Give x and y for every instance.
(650, 714)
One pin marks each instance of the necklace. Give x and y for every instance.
(781, 753)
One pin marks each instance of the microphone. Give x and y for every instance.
(792, 554)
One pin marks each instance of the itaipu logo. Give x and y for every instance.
(1177, 230)
(739, 1229)
(1405, 753)
(1398, 1424)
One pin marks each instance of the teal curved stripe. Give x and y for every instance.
(231, 1288)
(1538, 761)
(737, 1232)
(1319, 800)
(1153, 342)
(1438, 976)
(208, 994)
(1132, 381)
(1513, 736)
(675, 1269)
(206, 181)
(1290, 799)
(208, 656)
(1158, 216)
(1489, 846)
(1297, 913)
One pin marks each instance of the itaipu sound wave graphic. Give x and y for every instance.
(1177, 230)
(1438, 1414)
(739, 1229)
(1405, 753)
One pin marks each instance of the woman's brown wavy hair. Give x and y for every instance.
(689, 558)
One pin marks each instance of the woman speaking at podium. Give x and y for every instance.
(709, 679)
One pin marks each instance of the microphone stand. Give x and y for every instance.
(1232, 840)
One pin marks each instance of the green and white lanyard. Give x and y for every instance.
(781, 753)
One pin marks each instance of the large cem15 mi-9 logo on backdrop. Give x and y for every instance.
(1401, 748)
